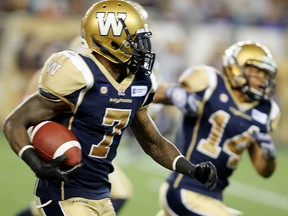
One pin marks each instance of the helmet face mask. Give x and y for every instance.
(241, 57)
(139, 46)
(117, 30)
(260, 83)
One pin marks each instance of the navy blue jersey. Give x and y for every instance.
(220, 131)
(101, 110)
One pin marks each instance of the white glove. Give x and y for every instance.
(266, 143)
(187, 102)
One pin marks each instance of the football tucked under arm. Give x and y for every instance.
(51, 140)
(55, 153)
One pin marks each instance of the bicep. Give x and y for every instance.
(36, 109)
(30, 112)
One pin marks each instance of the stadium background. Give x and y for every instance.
(185, 32)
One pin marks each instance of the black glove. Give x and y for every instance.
(48, 170)
(206, 173)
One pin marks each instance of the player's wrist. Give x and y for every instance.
(188, 103)
(269, 151)
(183, 166)
(30, 157)
(20, 153)
(177, 96)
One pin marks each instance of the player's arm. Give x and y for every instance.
(166, 154)
(262, 150)
(32, 111)
(160, 94)
(182, 95)
(265, 166)
(59, 78)
(176, 95)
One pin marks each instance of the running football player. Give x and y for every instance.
(121, 186)
(224, 113)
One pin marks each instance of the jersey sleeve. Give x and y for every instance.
(62, 74)
(196, 79)
(275, 115)
(149, 98)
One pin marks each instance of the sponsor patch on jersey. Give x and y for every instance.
(104, 90)
(259, 116)
(138, 91)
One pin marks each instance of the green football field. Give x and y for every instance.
(247, 192)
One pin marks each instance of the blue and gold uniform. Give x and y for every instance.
(96, 95)
(101, 109)
(219, 132)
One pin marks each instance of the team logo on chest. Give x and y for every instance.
(110, 22)
(121, 91)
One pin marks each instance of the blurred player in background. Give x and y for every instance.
(224, 113)
(97, 94)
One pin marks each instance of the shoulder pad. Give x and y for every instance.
(64, 73)
(198, 78)
(275, 115)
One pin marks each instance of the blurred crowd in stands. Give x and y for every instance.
(185, 32)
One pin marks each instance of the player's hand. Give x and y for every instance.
(206, 173)
(48, 170)
(266, 143)
(51, 170)
(72, 171)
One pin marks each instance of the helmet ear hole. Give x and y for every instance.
(114, 45)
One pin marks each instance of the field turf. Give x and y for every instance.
(247, 192)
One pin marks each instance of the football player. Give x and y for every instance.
(97, 94)
(224, 113)
(121, 186)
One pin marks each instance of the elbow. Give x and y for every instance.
(9, 124)
(268, 170)
(6, 125)
(266, 175)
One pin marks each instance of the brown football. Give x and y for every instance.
(51, 140)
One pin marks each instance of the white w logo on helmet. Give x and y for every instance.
(110, 22)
